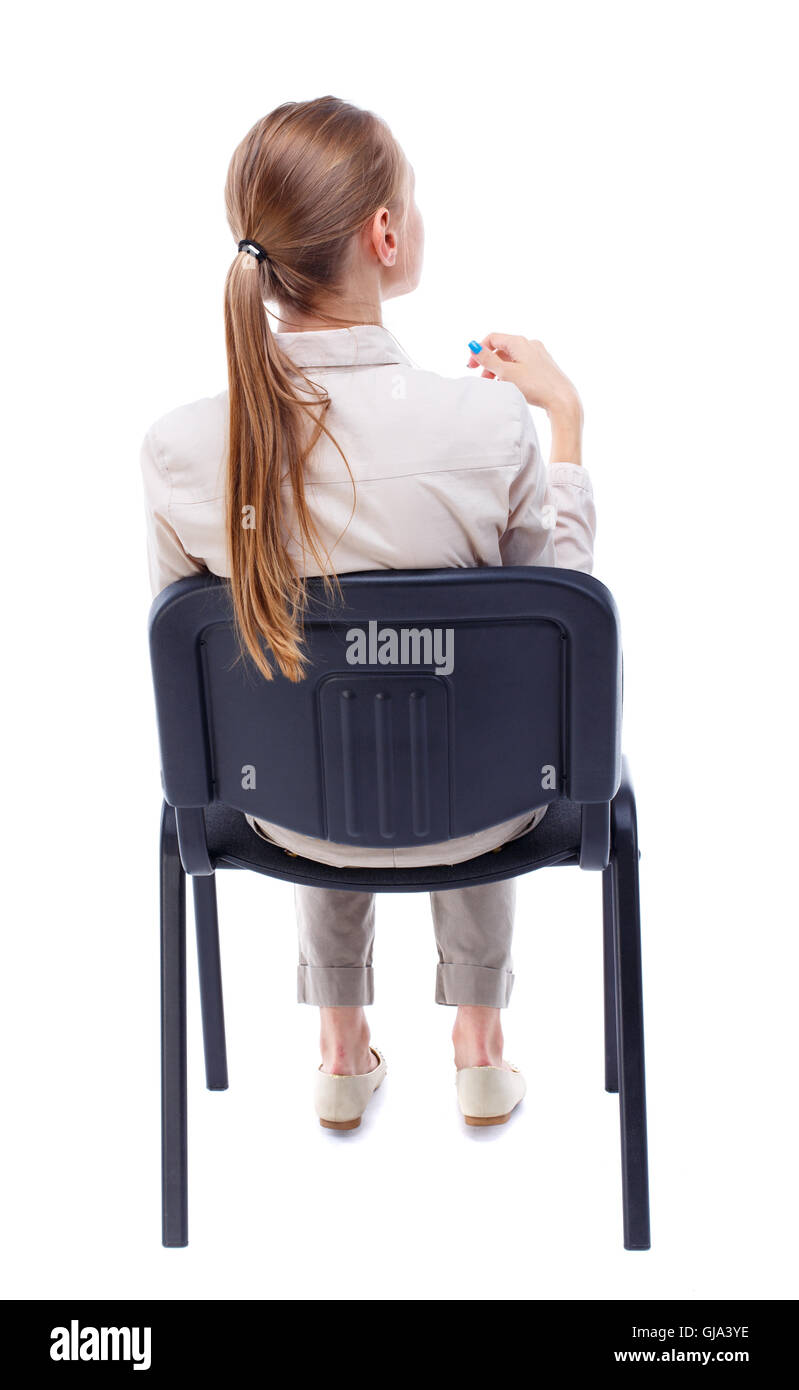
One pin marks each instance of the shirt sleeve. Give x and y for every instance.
(552, 517)
(529, 537)
(572, 495)
(167, 560)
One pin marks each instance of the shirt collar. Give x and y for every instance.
(362, 345)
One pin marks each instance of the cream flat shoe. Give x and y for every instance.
(341, 1100)
(487, 1095)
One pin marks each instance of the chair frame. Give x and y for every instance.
(608, 842)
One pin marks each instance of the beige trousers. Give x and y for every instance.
(473, 931)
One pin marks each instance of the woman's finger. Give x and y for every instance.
(508, 345)
(483, 355)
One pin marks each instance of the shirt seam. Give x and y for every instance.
(164, 469)
(419, 473)
(570, 482)
(393, 477)
(346, 366)
(383, 478)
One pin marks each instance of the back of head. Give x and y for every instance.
(301, 186)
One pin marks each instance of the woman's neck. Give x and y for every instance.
(337, 311)
(304, 323)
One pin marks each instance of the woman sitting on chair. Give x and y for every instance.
(331, 452)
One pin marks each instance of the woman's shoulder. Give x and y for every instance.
(185, 450)
(475, 401)
(188, 443)
(475, 415)
(196, 423)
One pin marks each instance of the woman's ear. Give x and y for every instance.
(383, 238)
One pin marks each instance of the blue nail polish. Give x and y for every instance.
(476, 347)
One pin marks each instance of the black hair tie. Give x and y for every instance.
(254, 250)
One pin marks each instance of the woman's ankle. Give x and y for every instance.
(344, 1041)
(477, 1037)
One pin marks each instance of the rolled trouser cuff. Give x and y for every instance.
(335, 986)
(473, 984)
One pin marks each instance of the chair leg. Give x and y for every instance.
(630, 1020)
(609, 972)
(174, 1126)
(209, 966)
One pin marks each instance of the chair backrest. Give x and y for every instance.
(436, 703)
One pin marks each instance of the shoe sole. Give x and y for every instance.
(340, 1124)
(487, 1119)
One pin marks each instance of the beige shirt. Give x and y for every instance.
(447, 473)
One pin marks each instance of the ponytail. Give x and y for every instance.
(270, 429)
(303, 182)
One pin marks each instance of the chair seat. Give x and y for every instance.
(232, 843)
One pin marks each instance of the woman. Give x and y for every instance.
(332, 452)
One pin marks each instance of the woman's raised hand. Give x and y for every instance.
(526, 362)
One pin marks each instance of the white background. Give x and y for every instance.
(619, 181)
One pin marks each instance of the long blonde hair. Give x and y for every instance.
(301, 184)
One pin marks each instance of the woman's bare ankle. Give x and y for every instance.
(344, 1042)
(477, 1037)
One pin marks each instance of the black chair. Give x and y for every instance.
(383, 744)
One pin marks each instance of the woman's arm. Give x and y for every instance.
(566, 501)
(526, 362)
(167, 559)
(566, 424)
(572, 496)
